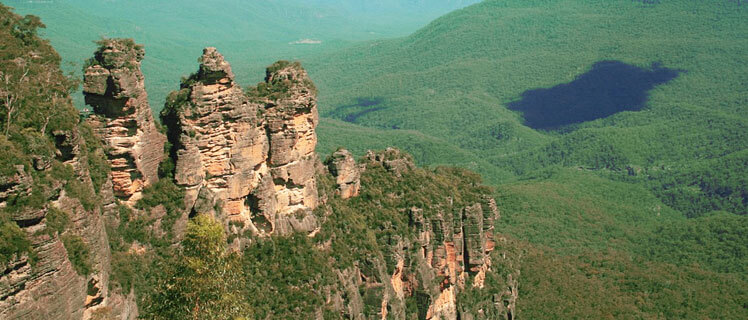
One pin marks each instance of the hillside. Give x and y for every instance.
(252, 33)
(610, 147)
(633, 93)
(613, 136)
(109, 215)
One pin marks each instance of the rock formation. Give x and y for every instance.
(50, 287)
(450, 253)
(346, 172)
(252, 159)
(393, 160)
(114, 86)
(249, 159)
(291, 117)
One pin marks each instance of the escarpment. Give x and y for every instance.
(247, 158)
(114, 86)
(66, 273)
(94, 205)
(55, 258)
(445, 256)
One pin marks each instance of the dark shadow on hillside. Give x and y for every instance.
(351, 112)
(610, 87)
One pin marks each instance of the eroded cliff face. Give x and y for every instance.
(449, 257)
(247, 159)
(114, 86)
(47, 284)
(291, 117)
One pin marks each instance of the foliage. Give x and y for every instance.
(36, 104)
(277, 87)
(699, 188)
(83, 192)
(130, 267)
(714, 242)
(123, 52)
(598, 248)
(78, 253)
(287, 277)
(98, 165)
(13, 241)
(166, 193)
(602, 203)
(451, 81)
(616, 284)
(201, 282)
(57, 221)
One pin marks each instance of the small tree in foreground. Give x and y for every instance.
(203, 281)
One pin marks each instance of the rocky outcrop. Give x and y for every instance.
(220, 142)
(114, 86)
(393, 160)
(347, 175)
(453, 250)
(455, 247)
(291, 118)
(248, 159)
(15, 185)
(50, 289)
(47, 285)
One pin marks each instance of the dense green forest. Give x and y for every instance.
(637, 190)
(254, 34)
(619, 203)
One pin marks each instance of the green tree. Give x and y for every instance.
(202, 281)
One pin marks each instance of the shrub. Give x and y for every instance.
(13, 241)
(78, 254)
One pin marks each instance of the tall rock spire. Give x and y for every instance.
(220, 144)
(291, 115)
(249, 160)
(114, 86)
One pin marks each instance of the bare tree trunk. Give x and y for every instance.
(55, 99)
(7, 121)
(9, 105)
(11, 98)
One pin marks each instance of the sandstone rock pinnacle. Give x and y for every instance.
(346, 172)
(114, 86)
(247, 159)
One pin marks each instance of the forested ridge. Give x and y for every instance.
(612, 135)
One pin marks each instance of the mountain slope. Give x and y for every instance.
(475, 77)
(252, 33)
(652, 132)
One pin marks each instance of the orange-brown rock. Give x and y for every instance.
(252, 158)
(221, 146)
(291, 118)
(51, 288)
(346, 172)
(455, 247)
(114, 86)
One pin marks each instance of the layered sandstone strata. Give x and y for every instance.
(249, 159)
(114, 86)
(347, 175)
(450, 253)
(291, 116)
(49, 287)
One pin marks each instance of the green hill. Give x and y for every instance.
(606, 125)
(611, 86)
(615, 133)
(252, 34)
